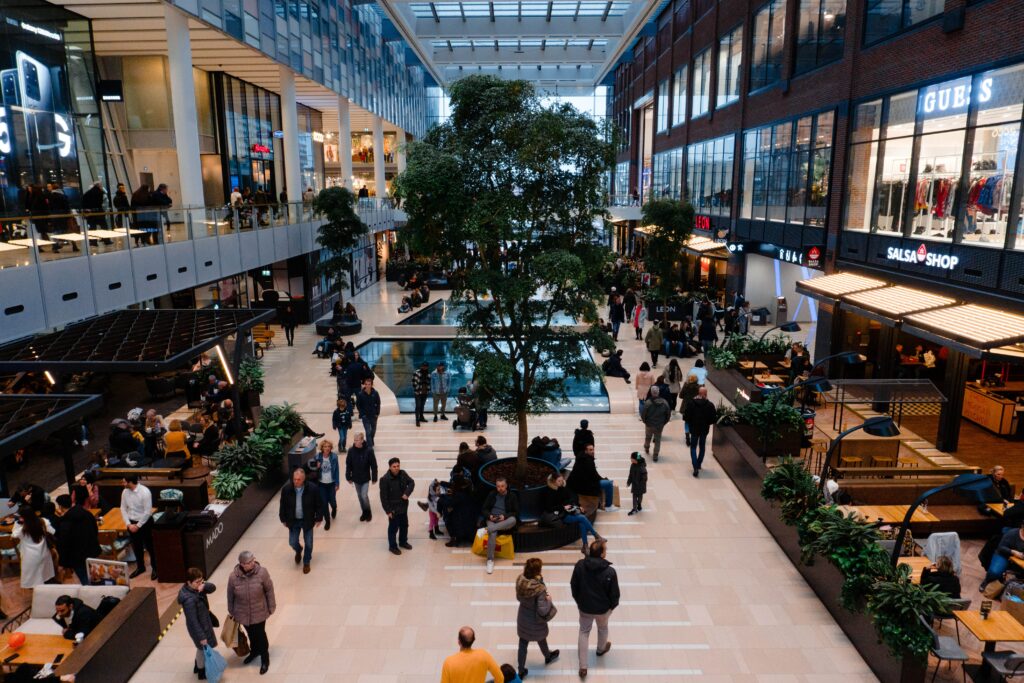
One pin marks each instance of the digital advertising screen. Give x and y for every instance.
(37, 137)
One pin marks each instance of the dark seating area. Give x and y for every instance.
(343, 326)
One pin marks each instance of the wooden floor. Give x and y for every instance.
(978, 446)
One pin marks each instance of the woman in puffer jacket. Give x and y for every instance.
(534, 605)
(198, 620)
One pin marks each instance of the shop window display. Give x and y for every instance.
(663, 106)
(668, 174)
(768, 41)
(709, 175)
(730, 63)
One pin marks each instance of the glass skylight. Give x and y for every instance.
(527, 8)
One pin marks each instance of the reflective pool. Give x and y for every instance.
(395, 360)
(444, 312)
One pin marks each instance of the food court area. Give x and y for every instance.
(159, 410)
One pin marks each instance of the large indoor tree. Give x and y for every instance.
(338, 234)
(508, 191)
(671, 225)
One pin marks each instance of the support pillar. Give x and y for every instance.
(345, 141)
(290, 127)
(379, 178)
(957, 366)
(183, 108)
(400, 151)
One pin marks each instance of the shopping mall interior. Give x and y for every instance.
(377, 340)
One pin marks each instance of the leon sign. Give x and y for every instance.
(922, 257)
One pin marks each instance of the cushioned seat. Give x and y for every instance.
(40, 619)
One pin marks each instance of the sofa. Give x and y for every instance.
(40, 617)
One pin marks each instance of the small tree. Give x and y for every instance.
(339, 234)
(521, 183)
(672, 221)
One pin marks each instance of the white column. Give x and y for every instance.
(400, 152)
(183, 108)
(379, 179)
(345, 140)
(290, 127)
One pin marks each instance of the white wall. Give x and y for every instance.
(768, 278)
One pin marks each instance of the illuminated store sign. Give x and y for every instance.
(922, 257)
(953, 97)
(39, 31)
(702, 222)
(811, 257)
(260, 149)
(317, 136)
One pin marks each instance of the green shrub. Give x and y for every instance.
(792, 486)
(720, 358)
(250, 375)
(229, 485)
(894, 606)
(771, 418)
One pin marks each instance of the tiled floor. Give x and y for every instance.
(705, 590)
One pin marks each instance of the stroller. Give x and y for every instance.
(465, 416)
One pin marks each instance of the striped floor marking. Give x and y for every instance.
(615, 623)
(519, 567)
(617, 673)
(626, 603)
(620, 646)
(553, 584)
(576, 551)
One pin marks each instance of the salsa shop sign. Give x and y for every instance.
(923, 257)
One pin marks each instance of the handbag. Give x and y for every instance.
(229, 634)
(551, 519)
(993, 590)
(242, 648)
(550, 613)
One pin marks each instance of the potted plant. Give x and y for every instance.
(250, 381)
(245, 462)
(773, 424)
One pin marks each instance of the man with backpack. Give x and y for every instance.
(656, 415)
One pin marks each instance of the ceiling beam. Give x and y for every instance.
(510, 56)
(527, 27)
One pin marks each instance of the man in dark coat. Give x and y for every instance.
(656, 414)
(699, 415)
(395, 488)
(584, 480)
(301, 511)
(361, 471)
(74, 617)
(93, 205)
(582, 438)
(78, 536)
(368, 402)
(288, 322)
(595, 589)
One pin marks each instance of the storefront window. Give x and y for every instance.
(701, 99)
(252, 155)
(768, 40)
(663, 106)
(786, 169)
(730, 61)
(867, 123)
(679, 97)
(709, 175)
(620, 189)
(668, 173)
(947, 202)
(886, 17)
(820, 38)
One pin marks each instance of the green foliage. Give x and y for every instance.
(894, 605)
(672, 223)
(743, 345)
(339, 234)
(720, 358)
(230, 486)
(771, 418)
(282, 421)
(725, 415)
(523, 183)
(791, 486)
(852, 547)
(250, 375)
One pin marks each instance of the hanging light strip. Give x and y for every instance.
(972, 323)
(841, 284)
(898, 301)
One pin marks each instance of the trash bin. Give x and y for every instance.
(301, 454)
(781, 310)
(168, 546)
(807, 415)
(759, 316)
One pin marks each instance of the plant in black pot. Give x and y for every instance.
(771, 420)
(250, 381)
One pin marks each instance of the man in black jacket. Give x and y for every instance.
(595, 588)
(78, 536)
(368, 403)
(500, 513)
(700, 414)
(395, 488)
(361, 471)
(301, 511)
(74, 617)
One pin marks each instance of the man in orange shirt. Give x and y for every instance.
(469, 665)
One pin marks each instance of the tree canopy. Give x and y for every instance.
(671, 223)
(509, 193)
(339, 233)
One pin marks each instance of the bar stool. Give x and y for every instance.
(816, 450)
(850, 461)
(883, 461)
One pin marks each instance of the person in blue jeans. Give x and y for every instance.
(699, 415)
(341, 420)
(558, 503)
(368, 402)
(301, 511)
(584, 480)
(1011, 545)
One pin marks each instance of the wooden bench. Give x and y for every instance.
(905, 472)
(142, 472)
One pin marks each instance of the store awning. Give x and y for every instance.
(28, 418)
(831, 288)
(705, 246)
(130, 341)
(975, 330)
(888, 305)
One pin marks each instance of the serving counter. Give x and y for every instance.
(994, 408)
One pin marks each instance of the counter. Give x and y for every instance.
(992, 407)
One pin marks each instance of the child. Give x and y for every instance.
(638, 480)
(434, 493)
(508, 672)
(341, 420)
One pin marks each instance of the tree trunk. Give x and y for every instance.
(524, 440)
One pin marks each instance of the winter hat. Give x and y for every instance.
(584, 424)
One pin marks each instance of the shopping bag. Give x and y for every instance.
(615, 496)
(503, 547)
(242, 648)
(480, 543)
(215, 664)
(229, 634)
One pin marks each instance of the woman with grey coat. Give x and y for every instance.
(535, 608)
(198, 620)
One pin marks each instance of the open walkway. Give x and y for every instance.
(705, 590)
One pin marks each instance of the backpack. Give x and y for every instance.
(106, 606)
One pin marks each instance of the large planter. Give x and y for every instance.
(530, 496)
(746, 470)
(788, 444)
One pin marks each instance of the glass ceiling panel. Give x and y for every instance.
(549, 43)
(559, 8)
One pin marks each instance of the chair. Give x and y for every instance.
(1005, 663)
(944, 648)
(160, 387)
(112, 546)
(958, 604)
(850, 461)
(9, 553)
(816, 450)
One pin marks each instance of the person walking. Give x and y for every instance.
(78, 535)
(341, 420)
(288, 323)
(368, 402)
(655, 416)
(329, 481)
(616, 316)
(637, 481)
(421, 390)
(440, 383)
(644, 382)
(699, 415)
(500, 512)
(137, 511)
(198, 620)
(595, 589)
(361, 471)
(639, 319)
(535, 611)
(654, 340)
(301, 511)
(707, 333)
(31, 530)
(469, 665)
(122, 204)
(629, 303)
(674, 379)
(395, 489)
(686, 395)
(251, 602)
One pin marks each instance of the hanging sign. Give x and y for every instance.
(922, 257)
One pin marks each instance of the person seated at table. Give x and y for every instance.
(203, 362)
(799, 362)
(176, 441)
(1001, 486)
(1011, 545)
(613, 366)
(121, 441)
(28, 496)
(208, 440)
(942, 576)
(93, 500)
(74, 617)
(209, 388)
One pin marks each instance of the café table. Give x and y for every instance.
(748, 365)
(38, 649)
(917, 566)
(1000, 627)
(113, 521)
(887, 514)
(768, 379)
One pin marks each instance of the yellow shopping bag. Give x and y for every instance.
(503, 548)
(480, 543)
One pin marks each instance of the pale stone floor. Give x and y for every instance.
(705, 590)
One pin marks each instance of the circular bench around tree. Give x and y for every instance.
(344, 327)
